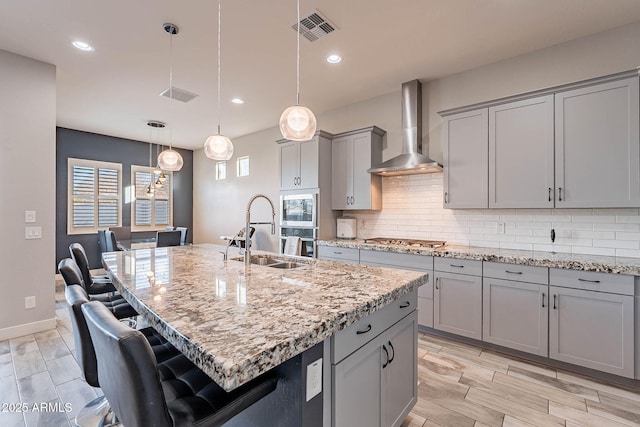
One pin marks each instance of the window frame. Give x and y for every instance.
(96, 165)
(238, 167)
(153, 226)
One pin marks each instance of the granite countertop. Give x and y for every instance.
(607, 264)
(236, 323)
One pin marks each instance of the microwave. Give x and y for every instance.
(298, 210)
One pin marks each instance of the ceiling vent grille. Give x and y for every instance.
(314, 25)
(179, 94)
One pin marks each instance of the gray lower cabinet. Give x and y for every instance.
(376, 386)
(592, 329)
(410, 262)
(516, 315)
(339, 254)
(457, 298)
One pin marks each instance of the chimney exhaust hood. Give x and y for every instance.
(411, 161)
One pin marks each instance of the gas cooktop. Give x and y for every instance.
(414, 243)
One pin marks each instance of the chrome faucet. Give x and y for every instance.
(247, 234)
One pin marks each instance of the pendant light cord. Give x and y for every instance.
(298, 56)
(219, 44)
(170, 83)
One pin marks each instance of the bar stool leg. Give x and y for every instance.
(97, 413)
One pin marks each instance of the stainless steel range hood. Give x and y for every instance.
(411, 161)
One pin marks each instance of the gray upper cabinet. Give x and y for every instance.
(521, 154)
(465, 153)
(299, 164)
(352, 153)
(597, 146)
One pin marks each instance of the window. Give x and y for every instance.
(151, 211)
(243, 166)
(221, 170)
(93, 195)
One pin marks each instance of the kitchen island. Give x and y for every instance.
(237, 322)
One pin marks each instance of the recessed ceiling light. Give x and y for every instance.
(237, 101)
(86, 47)
(334, 59)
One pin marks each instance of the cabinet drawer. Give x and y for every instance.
(460, 266)
(364, 330)
(339, 254)
(519, 273)
(409, 261)
(592, 281)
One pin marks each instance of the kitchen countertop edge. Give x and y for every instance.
(596, 263)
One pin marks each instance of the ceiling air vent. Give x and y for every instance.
(179, 94)
(314, 25)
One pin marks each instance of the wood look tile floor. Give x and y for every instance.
(464, 385)
(459, 385)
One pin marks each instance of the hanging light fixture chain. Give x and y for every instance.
(170, 84)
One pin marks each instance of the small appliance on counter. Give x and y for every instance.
(346, 228)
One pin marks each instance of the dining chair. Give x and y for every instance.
(184, 231)
(122, 233)
(144, 392)
(167, 238)
(98, 412)
(111, 241)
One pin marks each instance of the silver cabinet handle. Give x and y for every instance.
(513, 272)
(586, 280)
(347, 200)
(446, 197)
(337, 253)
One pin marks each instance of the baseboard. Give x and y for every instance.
(26, 329)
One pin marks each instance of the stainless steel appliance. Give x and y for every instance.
(307, 235)
(298, 210)
(414, 243)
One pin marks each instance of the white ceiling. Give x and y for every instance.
(114, 90)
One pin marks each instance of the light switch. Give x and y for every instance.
(314, 379)
(29, 216)
(33, 233)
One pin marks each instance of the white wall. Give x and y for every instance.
(27, 182)
(412, 206)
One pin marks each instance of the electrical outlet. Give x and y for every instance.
(500, 228)
(314, 379)
(30, 302)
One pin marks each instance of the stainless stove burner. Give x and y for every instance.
(407, 242)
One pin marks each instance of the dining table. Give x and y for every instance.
(237, 322)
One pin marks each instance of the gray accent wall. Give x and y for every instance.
(85, 145)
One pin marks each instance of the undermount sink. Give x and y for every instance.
(286, 265)
(269, 261)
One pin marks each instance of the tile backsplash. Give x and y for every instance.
(412, 208)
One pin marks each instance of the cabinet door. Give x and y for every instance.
(357, 388)
(361, 179)
(341, 178)
(592, 329)
(597, 146)
(521, 154)
(308, 164)
(289, 165)
(516, 315)
(466, 167)
(400, 376)
(457, 304)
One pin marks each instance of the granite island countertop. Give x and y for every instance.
(236, 323)
(599, 263)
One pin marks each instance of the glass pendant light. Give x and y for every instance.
(298, 123)
(218, 146)
(170, 160)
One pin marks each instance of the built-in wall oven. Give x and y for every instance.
(298, 219)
